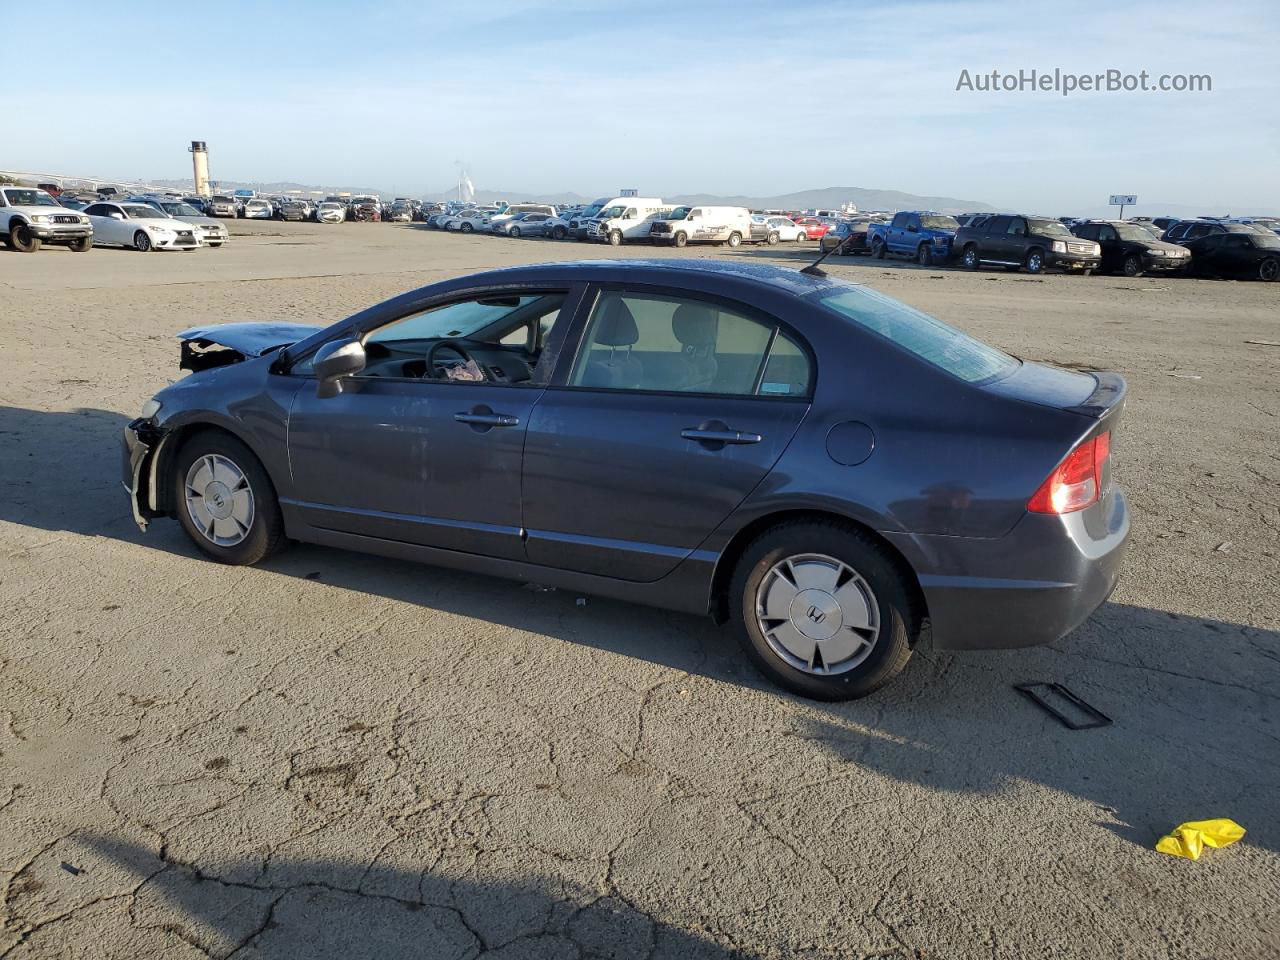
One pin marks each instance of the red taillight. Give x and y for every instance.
(1077, 481)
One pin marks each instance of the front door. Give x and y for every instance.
(414, 450)
(673, 411)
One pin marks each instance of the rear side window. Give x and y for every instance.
(659, 343)
(932, 340)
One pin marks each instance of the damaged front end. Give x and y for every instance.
(219, 345)
(143, 441)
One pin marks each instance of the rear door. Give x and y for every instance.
(674, 408)
(995, 238)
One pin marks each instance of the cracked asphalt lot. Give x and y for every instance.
(338, 756)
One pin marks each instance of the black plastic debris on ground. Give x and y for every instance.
(1060, 703)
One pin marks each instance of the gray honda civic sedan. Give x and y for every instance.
(813, 462)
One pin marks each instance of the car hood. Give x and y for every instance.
(250, 339)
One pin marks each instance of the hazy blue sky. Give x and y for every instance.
(723, 96)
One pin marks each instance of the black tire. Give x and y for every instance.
(615, 238)
(216, 245)
(1034, 263)
(21, 239)
(465, 227)
(899, 621)
(1132, 266)
(735, 239)
(772, 239)
(969, 258)
(81, 244)
(266, 532)
(1087, 272)
(682, 239)
(924, 256)
(1269, 270)
(559, 233)
(514, 232)
(141, 242)
(878, 248)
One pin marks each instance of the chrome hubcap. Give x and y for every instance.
(219, 500)
(817, 614)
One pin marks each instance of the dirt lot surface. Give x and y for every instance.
(335, 756)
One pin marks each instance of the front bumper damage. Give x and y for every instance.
(143, 442)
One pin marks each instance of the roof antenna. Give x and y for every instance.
(813, 269)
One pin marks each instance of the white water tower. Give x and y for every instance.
(200, 167)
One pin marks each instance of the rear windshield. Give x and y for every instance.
(941, 345)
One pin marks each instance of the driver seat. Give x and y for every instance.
(617, 330)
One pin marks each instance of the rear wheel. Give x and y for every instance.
(22, 239)
(81, 244)
(225, 501)
(1269, 270)
(970, 257)
(682, 239)
(1132, 266)
(772, 239)
(823, 610)
(514, 232)
(465, 227)
(141, 242)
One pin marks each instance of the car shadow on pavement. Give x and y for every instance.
(321, 909)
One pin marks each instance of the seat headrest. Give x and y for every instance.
(695, 325)
(616, 326)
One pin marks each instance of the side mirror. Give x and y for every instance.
(334, 362)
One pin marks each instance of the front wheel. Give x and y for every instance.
(1034, 262)
(514, 232)
(81, 244)
(923, 255)
(772, 239)
(1269, 270)
(1132, 266)
(225, 501)
(735, 239)
(877, 248)
(615, 238)
(682, 240)
(22, 239)
(559, 233)
(823, 610)
(141, 242)
(465, 228)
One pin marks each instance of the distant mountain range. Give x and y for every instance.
(825, 198)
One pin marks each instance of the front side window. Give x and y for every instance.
(662, 343)
(460, 321)
(932, 340)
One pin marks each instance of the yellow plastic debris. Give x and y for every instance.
(1189, 839)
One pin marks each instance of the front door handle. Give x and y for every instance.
(488, 419)
(720, 435)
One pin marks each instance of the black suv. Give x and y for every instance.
(1131, 248)
(1016, 241)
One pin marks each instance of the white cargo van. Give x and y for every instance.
(627, 218)
(730, 225)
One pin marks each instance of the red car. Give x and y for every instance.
(814, 228)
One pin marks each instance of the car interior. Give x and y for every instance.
(497, 339)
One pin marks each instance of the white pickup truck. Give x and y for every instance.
(30, 217)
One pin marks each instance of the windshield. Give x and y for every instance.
(30, 198)
(222, 200)
(330, 206)
(932, 340)
(679, 213)
(181, 210)
(1132, 231)
(612, 212)
(141, 211)
(939, 223)
(1268, 241)
(1049, 228)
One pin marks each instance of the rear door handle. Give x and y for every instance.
(719, 436)
(488, 419)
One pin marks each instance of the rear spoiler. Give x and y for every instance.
(1106, 397)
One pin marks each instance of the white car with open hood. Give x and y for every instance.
(140, 226)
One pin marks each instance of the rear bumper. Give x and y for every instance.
(1032, 586)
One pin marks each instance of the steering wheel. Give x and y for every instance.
(457, 347)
